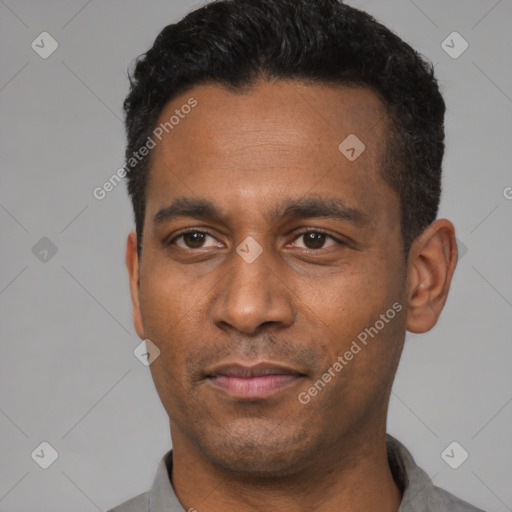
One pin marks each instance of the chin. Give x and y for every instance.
(258, 448)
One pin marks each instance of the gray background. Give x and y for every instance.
(68, 373)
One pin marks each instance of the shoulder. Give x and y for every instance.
(137, 504)
(419, 492)
(448, 501)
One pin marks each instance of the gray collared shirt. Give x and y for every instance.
(419, 493)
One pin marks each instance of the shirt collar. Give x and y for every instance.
(162, 497)
(414, 483)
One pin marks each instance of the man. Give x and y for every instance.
(284, 164)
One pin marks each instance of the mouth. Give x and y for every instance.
(253, 382)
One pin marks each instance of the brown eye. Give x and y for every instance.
(314, 240)
(193, 240)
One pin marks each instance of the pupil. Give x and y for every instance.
(315, 240)
(194, 240)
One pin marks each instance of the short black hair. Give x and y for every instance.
(235, 43)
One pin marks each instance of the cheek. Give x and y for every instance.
(174, 315)
(161, 310)
(164, 299)
(348, 298)
(347, 308)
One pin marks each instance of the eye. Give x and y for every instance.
(316, 240)
(194, 240)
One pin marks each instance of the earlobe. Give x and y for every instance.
(132, 265)
(432, 261)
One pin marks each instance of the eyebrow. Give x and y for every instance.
(187, 207)
(310, 207)
(325, 207)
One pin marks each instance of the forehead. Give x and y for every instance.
(270, 140)
(280, 114)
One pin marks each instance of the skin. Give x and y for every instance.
(300, 303)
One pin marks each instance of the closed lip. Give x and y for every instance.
(248, 371)
(253, 382)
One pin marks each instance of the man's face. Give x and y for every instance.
(243, 337)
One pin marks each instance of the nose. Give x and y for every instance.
(253, 295)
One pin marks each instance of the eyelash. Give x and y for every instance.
(298, 235)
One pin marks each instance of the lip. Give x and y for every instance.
(255, 381)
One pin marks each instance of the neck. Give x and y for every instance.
(352, 476)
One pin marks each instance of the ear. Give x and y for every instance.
(431, 263)
(132, 265)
